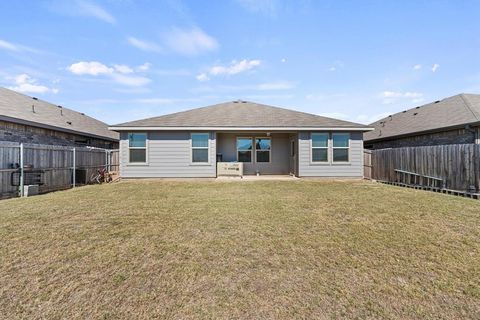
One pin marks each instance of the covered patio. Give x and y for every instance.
(262, 153)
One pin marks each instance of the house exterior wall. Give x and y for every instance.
(279, 158)
(21, 133)
(168, 156)
(353, 169)
(457, 136)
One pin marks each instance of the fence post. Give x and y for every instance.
(106, 160)
(74, 169)
(21, 171)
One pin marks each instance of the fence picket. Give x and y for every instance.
(457, 165)
(55, 161)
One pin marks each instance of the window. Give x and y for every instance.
(341, 146)
(244, 149)
(262, 149)
(137, 147)
(319, 147)
(200, 148)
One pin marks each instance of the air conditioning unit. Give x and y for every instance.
(230, 169)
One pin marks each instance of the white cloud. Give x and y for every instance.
(394, 94)
(93, 68)
(91, 9)
(235, 67)
(435, 67)
(121, 68)
(202, 77)
(190, 42)
(336, 65)
(15, 47)
(133, 81)
(8, 46)
(144, 45)
(283, 60)
(390, 97)
(282, 85)
(417, 67)
(267, 7)
(144, 67)
(121, 74)
(24, 83)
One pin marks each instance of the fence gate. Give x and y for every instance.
(367, 164)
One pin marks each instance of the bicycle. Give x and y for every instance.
(102, 175)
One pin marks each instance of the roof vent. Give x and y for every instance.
(236, 101)
(417, 107)
(415, 113)
(69, 122)
(82, 113)
(34, 98)
(33, 108)
(437, 101)
(244, 101)
(391, 117)
(404, 111)
(60, 106)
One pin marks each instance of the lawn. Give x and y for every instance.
(240, 250)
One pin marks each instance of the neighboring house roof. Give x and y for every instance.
(456, 111)
(19, 108)
(238, 115)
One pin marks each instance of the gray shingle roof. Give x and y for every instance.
(241, 114)
(17, 107)
(450, 112)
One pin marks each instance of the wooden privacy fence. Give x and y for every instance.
(50, 167)
(457, 166)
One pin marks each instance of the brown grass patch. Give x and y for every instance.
(283, 249)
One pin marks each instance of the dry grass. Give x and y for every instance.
(181, 250)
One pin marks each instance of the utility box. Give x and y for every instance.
(230, 169)
(30, 190)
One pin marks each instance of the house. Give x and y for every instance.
(267, 140)
(31, 120)
(453, 120)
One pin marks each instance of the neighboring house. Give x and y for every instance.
(268, 140)
(453, 120)
(30, 120)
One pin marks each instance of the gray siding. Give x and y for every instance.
(354, 169)
(168, 156)
(280, 154)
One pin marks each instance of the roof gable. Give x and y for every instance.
(241, 114)
(454, 111)
(17, 107)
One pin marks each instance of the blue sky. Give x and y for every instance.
(120, 60)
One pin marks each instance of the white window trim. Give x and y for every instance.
(192, 163)
(251, 150)
(348, 148)
(270, 151)
(327, 147)
(137, 148)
